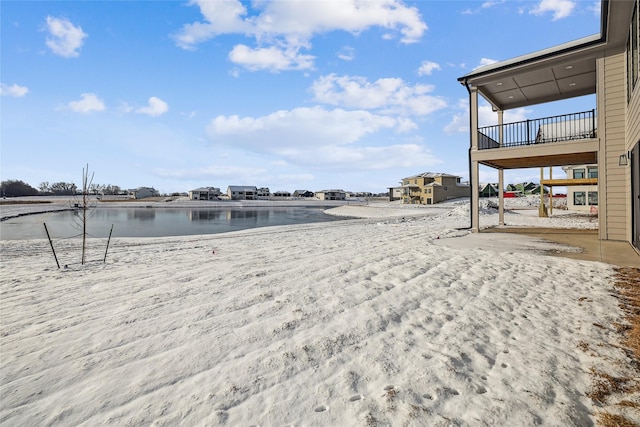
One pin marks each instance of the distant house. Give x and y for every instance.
(524, 188)
(331, 195)
(584, 195)
(240, 192)
(143, 193)
(205, 193)
(303, 193)
(429, 188)
(395, 193)
(281, 194)
(263, 192)
(489, 190)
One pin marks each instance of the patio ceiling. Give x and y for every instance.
(552, 81)
(556, 73)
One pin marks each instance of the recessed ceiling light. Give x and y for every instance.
(568, 67)
(499, 84)
(572, 84)
(510, 96)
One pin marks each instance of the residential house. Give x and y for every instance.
(523, 188)
(489, 190)
(205, 193)
(395, 193)
(429, 188)
(606, 64)
(331, 195)
(282, 194)
(143, 193)
(263, 192)
(242, 192)
(303, 193)
(582, 197)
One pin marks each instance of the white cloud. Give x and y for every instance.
(156, 107)
(215, 172)
(89, 102)
(427, 67)
(14, 90)
(486, 117)
(270, 58)
(65, 38)
(390, 95)
(560, 8)
(318, 137)
(485, 61)
(282, 28)
(491, 3)
(347, 53)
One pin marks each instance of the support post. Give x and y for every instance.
(542, 209)
(475, 173)
(501, 196)
(108, 241)
(501, 171)
(550, 191)
(51, 243)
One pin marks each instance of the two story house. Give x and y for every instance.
(331, 195)
(606, 134)
(242, 192)
(205, 193)
(429, 188)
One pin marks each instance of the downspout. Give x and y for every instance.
(471, 201)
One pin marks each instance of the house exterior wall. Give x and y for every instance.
(331, 195)
(241, 193)
(611, 95)
(633, 141)
(431, 190)
(587, 190)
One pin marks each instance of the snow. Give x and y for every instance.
(398, 318)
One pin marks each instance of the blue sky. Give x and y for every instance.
(281, 94)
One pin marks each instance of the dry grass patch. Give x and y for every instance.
(606, 419)
(626, 388)
(628, 284)
(604, 385)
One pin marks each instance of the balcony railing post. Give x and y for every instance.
(528, 134)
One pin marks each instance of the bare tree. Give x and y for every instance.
(83, 204)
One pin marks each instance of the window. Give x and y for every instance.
(579, 198)
(578, 174)
(593, 198)
(592, 172)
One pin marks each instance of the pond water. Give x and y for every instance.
(150, 222)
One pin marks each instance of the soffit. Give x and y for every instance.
(551, 80)
(556, 73)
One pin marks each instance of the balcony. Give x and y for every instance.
(567, 139)
(566, 127)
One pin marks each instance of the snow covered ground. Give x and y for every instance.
(366, 322)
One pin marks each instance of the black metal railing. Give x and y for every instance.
(566, 127)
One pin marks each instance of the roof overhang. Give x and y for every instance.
(553, 74)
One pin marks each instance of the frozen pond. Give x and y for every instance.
(152, 222)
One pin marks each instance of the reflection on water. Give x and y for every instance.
(142, 214)
(152, 222)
